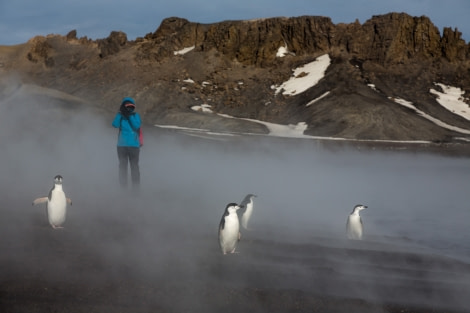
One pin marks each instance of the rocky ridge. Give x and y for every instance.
(233, 65)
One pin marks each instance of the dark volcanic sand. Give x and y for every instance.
(159, 252)
(140, 261)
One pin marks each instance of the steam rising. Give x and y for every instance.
(415, 248)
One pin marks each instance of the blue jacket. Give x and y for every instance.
(128, 135)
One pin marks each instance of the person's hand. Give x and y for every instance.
(124, 111)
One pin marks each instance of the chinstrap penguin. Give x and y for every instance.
(354, 227)
(56, 203)
(247, 209)
(229, 229)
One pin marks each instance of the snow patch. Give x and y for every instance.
(305, 77)
(282, 52)
(183, 51)
(290, 130)
(278, 130)
(205, 108)
(410, 105)
(452, 99)
(181, 128)
(317, 99)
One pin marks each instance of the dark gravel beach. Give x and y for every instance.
(144, 260)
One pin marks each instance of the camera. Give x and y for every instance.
(126, 110)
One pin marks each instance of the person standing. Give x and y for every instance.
(128, 145)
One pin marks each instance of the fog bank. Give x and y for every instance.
(417, 203)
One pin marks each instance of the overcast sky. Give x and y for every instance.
(21, 20)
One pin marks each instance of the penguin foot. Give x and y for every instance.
(57, 227)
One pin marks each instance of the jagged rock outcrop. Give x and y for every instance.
(39, 51)
(453, 47)
(112, 44)
(397, 38)
(391, 38)
(233, 65)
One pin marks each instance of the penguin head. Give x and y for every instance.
(231, 208)
(58, 180)
(359, 207)
(249, 197)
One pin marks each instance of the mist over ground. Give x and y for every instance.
(139, 250)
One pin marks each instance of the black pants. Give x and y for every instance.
(129, 155)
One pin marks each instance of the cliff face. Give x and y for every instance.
(234, 64)
(387, 39)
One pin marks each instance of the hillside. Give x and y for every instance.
(234, 67)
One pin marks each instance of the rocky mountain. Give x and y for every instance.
(232, 67)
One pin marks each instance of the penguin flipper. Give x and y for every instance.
(40, 200)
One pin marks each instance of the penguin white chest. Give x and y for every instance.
(354, 227)
(57, 207)
(247, 214)
(228, 234)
